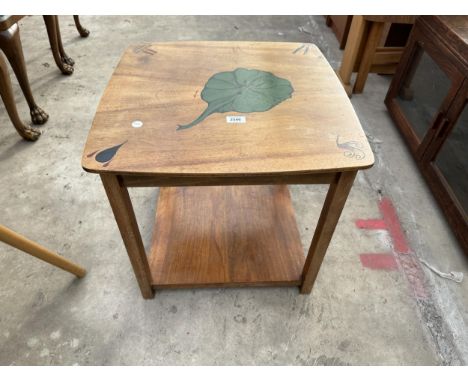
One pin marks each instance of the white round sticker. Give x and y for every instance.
(137, 124)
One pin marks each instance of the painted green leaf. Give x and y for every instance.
(242, 91)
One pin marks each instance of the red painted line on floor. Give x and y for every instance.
(383, 261)
(371, 224)
(403, 258)
(393, 226)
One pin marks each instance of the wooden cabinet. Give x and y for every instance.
(428, 101)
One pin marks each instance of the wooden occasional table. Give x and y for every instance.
(242, 119)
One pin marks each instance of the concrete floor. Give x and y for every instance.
(355, 315)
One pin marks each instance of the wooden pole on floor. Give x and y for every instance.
(20, 242)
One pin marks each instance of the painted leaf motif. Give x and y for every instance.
(107, 154)
(243, 91)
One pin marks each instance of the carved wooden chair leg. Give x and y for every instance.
(20, 242)
(6, 92)
(51, 23)
(82, 31)
(65, 57)
(10, 44)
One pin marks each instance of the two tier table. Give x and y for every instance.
(222, 128)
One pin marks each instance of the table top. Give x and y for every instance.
(225, 108)
(458, 25)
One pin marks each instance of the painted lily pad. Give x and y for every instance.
(242, 91)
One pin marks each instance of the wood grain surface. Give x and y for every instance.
(229, 236)
(124, 215)
(453, 31)
(316, 130)
(391, 19)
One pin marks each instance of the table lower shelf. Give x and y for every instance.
(225, 236)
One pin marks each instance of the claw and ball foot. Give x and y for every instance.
(66, 68)
(68, 60)
(82, 31)
(38, 116)
(29, 133)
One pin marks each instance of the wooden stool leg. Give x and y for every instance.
(6, 92)
(82, 31)
(373, 41)
(10, 44)
(356, 35)
(126, 221)
(331, 211)
(51, 26)
(20, 242)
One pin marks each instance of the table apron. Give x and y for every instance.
(180, 181)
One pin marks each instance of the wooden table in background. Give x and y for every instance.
(295, 126)
(364, 52)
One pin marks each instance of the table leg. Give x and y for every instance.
(6, 93)
(81, 30)
(372, 42)
(65, 57)
(353, 44)
(10, 44)
(52, 26)
(125, 217)
(331, 211)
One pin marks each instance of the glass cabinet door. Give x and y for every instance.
(446, 165)
(452, 159)
(422, 91)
